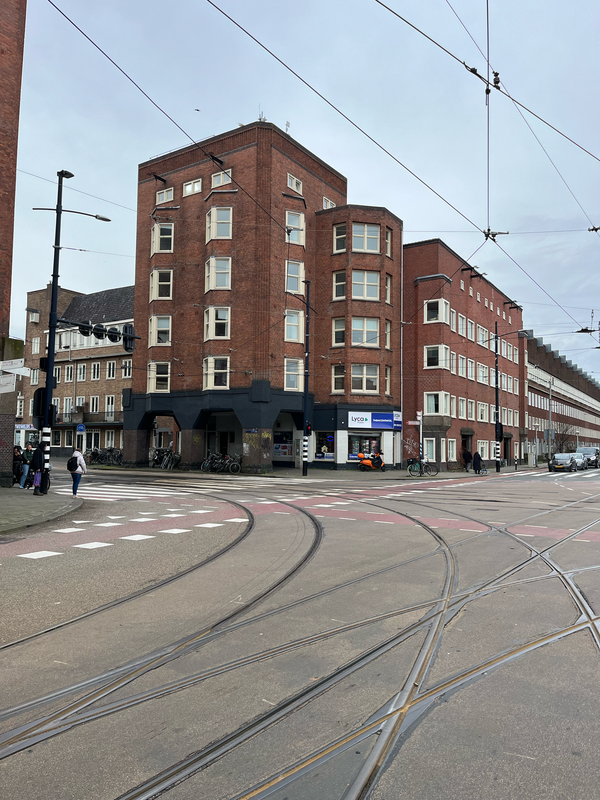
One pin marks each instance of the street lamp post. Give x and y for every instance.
(577, 435)
(47, 419)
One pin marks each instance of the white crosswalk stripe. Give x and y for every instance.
(111, 492)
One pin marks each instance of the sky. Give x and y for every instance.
(79, 113)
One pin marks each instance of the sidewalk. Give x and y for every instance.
(20, 509)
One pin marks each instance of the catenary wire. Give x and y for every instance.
(72, 189)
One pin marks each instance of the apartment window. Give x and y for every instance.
(509, 320)
(462, 408)
(35, 345)
(453, 363)
(437, 311)
(339, 238)
(516, 386)
(482, 336)
(453, 406)
(111, 370)
(34, 316)
(429, 449)
(478, 297)
(388, 380)
(68, 373)
(462, 366)
(293, 326)
(164, 196)
(327, 203)
(388, 289)
(294, 277)
(294, 375)
(432, 356)
(470, 330)
(294, 223)
(162, 238)
(510, 417)
(68, 438)
(126, 368)
(516, 413)
(365, 238)
(503, 348)
(159, 376)
(482, 373)
(216, 323)
(451, 449)
(365, 378)
(509, 383)
(339, 285)
(365, 331)
(109, 439)
(338, 378)
(161, 284)
(453, 320)
(192, 187)
(220, 178)
(471, 409)
(470, 369)
(486, 302)
(498, 310)
(95, 371)
(442, 449)
(437, 403)
(80, 402)
(94, 404)
(338, 333)
(509, 351)
(294, 183)
(109, 407)
(515, 354)
(482, 412)
(503, 381)
(470, 291)
(491, 306)
(57, 371)
(159, 331)
(388, 334)
(215, 373)
(462, 325)
(218, 223)
(388, 242)
(483, 449)
(365, 285)
(56, 438)
(217, 273)
(504, 417)
(462, 286)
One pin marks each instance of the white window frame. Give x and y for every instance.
(80, 401)
(388, 334)
(35, 345)
(57, 371)
(443, 403)
(483, 412)
(388, 242)
(215, 222)
(295, 233)
(327, 203)
(365, 284)
(338, 284)
(153, 377)
(291, 279)
(68, 373)
(453, 320)
(111, 370)
(293, 373)
(290, 316)
(483, 373)
(160, 240)
(471, 409)
(126, 368)
(109, 407)
(34, 316)
(220, 178)
(462, 366)
(462, 325)
(154, 329)
(210, 372)
(367, 328)
(293, 183)
(338, 373)
(462, 407)
(388, 288)
(192, 187)
(164, 196)
(156, 284)
(471, 375)
(95, 371)
(364, 373)
(516, 386)
(443, 312)
(515, 354)
(453, 363)
(388, 381)
(81, 370)
(214, 269)
(483, 336)
(470, 330)
(95, 404)
(509, 421)
(516, 417)
(483, 449)
(462, 286)
(453, 406)
(362, 239)
(212, 318)
(338, 331)
(443, 356)
(429, 449)
(340, 233)
(451, 444)
(509, 383)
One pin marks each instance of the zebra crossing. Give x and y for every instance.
(113, 492)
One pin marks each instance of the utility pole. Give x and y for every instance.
(307, 428)
(550, 421)
(498, 426)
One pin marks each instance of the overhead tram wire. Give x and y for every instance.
(72, 189)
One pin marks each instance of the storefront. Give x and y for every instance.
(336, 445)
(367, 433)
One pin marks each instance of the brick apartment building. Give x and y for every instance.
(91, 374)
(450, 314)
(219, 306)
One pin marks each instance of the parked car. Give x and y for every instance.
(592, 454)
(565, 462)
(581, 461)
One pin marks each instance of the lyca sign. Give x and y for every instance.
(377, 420)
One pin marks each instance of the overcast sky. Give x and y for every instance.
(79, 113)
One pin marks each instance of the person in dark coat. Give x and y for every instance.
(17, 464)
(37, 464)
(467, 458)
(477, 462)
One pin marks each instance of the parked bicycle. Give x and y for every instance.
(170, 460)
(216, 462)
(110, 456)
(418, 468)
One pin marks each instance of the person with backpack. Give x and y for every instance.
(77, 468)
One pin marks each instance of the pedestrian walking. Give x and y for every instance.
(477, 462)
(467, 458)
(77, 468)
(37, 465)
(27, 456)
(17, 464)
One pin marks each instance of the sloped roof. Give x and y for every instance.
(111, 305)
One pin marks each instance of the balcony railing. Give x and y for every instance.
(102, 417)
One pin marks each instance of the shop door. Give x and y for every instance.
(223, 442)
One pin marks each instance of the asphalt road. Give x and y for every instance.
(342, 636)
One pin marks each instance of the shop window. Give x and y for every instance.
(283, 446)
(325, 446)
(56, 438)
(361, 443)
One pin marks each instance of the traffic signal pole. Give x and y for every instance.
(497, 427)
(305, 398)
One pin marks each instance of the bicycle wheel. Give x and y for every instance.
(414, 470)
(430, 469)
(235, 467)
(205, 465)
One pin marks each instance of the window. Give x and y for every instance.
(294, 277)
(470, 369)
(437, 403)
(294, 375)
(159, 374)
(217, 273)
(482, 373)
(109, 407)
(35, 345)
(503, 348)
(429, 449)
(491, 306)
(220, 178)
(453, 406)
(437, 311)
(462, 366)
(451, 449)
(388, 380)
(94, 404)
(462, 408)
(483, 449)
(34, 316)
(111, 370)
(453, 363)
(478, 297)
(294, 183)
(388, 242)
(365, 238)
(365, 285)
(218, 223)
(338, 378)
(159, 331)
(388, 289)
(339, 238)
(482, 336)
(470, 330)
(57, 371)
(161, 284)
(486, 302)
(482, 412)
(126, 368)
(109, 439)
(509, 386)
(503, 381)
(470, 291)
(68, 438)
(365, 378)
(388, 334)
(68, 373)
(339, 285)
(510, 417)
(80, 402)
(164, 196)
(471, 409)
(55, 438)
(192, 187)
(216, 323)
(365, 331)
(294, 223)
(515, 354)
(96, 371)
(327, 203)
(215, 373)
(509, 320)
(509, 351)
(162, 238)
(516, 418)
(462, 286)
(516, 386)
(453, 320)
(462, 325)
(338, 334)
(442, 449)
(293, 326)
(504, 417)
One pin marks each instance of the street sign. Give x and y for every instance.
(9, 366)
(413, 422)
(7, 383)
(81, 428)
(24, 372)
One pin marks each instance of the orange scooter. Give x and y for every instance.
(371, 462)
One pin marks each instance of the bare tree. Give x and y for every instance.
(564, 438)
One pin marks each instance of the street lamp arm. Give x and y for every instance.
(70, 211)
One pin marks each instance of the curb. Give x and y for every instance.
(38, 520)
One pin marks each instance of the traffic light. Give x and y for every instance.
(100, 331)
(128, 337)
(85, 329)
(114, 335)
(308, 429)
